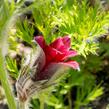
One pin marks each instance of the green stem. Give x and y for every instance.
(5, 83)
(41, 103)
(70, 99)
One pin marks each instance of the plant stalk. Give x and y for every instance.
(5, 83)
(21, 105)
(70, 99)
(41, 103)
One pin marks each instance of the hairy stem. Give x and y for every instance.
(21, 105)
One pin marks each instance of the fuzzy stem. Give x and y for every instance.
(21, 105)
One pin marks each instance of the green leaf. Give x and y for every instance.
(12, 67)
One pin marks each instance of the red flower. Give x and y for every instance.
(54, 56)
(43, 67)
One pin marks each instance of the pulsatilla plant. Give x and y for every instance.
(44, 66)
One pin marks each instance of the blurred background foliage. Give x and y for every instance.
(87, 24)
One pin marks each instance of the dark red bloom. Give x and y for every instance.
(44, 66)
(54, 56)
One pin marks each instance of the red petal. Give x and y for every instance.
(61, 44)
(57, 43)
(69, 54)
(52, 70)
(53, 55)
(66, 41)
(65, 55)
(49, 71)
(40, 40)
(72, 64)
(50, 54)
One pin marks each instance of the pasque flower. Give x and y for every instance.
(47, 64)
(55, 54)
